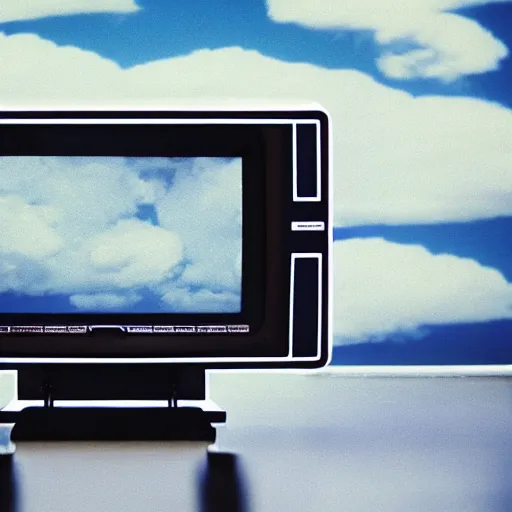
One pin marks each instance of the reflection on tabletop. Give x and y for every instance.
(82, 478)
(307, 444)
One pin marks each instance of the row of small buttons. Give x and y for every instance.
(140, 329)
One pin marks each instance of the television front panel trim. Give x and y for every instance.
(318, 195)
(318, 258)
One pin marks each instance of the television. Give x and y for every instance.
(148, 240)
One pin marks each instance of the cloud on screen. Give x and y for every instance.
(397, 159)
(387, 288)
(69, 226)
(14, 10)
(104, 301)
(25, 228)
(418, 38)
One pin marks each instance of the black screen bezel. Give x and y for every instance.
(265, 348)
(154, 140)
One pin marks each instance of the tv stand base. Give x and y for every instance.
(113, 424)
(122, 422)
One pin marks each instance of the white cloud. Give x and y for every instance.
(202, 300)
(15, 10)
(21, 58)
(382, 288)
(204, 206)
(104, 301)
(94, 195)
(70, 226)
(397, 159)
(135, 253)
(26, 229)
(447, 45)
(450, 46)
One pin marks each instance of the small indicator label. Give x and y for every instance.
(163, 328)
(139, 328)
(77, 329)
(4, 328)
(56, 328)
(185, 328)
(212, 328)
(27, 328)
(238, 328)
(308, 226)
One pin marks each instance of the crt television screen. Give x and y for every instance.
(120, 234)
(190, 237)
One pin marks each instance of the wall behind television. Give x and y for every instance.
(421, 108)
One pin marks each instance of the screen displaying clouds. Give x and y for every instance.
(113, 234)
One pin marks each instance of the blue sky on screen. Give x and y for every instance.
(421, 105)
(82, 234)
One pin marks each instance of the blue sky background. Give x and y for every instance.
(169, 29)
(423, 134)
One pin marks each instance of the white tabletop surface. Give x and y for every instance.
(304, 443)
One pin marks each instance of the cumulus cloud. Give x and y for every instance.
(70, 226)
(14, 10)
(397, 159)
(438, 43)
(104, 301)
(444, 46)
(382, 288)
(211, 189)
(79, 193)
(202, 300)
(136, 252)
(26, 229)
